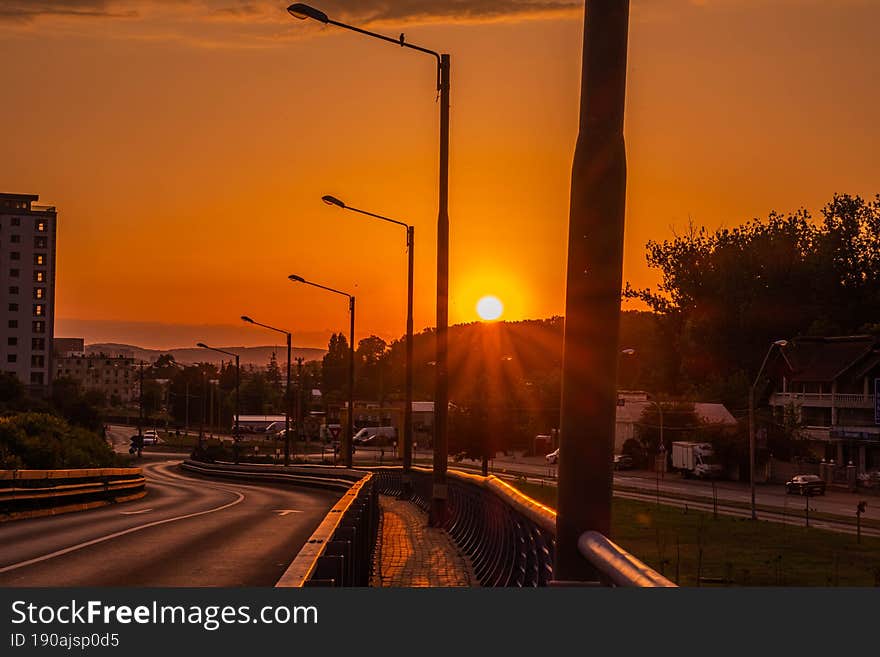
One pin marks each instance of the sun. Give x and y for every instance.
(489, 308)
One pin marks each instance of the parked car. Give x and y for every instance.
(623, 462)
(806, 484)
(553, 457)
(151, 437)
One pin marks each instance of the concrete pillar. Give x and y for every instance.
(861, 463)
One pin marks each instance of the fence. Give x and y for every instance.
(510, 538)
(29, 493)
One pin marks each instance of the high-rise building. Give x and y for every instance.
(27, 288)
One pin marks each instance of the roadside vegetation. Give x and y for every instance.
(42, 441)
(694, 549)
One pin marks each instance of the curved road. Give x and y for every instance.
(187, 531)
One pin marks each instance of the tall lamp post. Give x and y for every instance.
(236, 432)
(287, 406)
(410, 245)
(441, 390)
(780, 344)
(347, 446)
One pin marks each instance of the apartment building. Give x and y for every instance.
(27, 291)
(832, 385)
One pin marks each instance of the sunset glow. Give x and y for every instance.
(217, 134)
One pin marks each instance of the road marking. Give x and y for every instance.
(131, 530)
(284, 512)
(132, 513)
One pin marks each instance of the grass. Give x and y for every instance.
(685, 545)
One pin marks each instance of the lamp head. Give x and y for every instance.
(332, 200)
(781, 343)
(247, 319)
(296, 279)
(628, 352)
(302, 12)
(202, 345)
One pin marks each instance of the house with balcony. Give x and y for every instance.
(831, 385)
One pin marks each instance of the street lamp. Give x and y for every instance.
(780, 344)
(410, 246)
(347, 444)
(247, 319)
(236, 433)
(441, 391)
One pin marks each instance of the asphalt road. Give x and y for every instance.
(187, 531)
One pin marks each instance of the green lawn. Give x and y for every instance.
(734, 551)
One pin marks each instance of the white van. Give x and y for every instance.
(375, 436)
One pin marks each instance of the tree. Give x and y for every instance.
(12, 392)
(724, 296)
(273, 372)
(372, 368)
(46, 442)
(334, 370)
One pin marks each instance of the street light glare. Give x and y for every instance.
(296, 279)
(301, 11)
(332, 200)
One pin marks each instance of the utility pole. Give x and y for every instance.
(299, 400)
(593, 284)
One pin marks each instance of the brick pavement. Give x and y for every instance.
(411, 554)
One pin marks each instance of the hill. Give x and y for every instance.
(257, 356)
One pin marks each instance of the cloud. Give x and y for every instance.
(364, 11)
(28, 10)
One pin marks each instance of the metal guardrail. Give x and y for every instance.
(617, 566)
(509, 537)
(340, 551)
(26, 493)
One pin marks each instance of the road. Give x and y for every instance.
(187, 531)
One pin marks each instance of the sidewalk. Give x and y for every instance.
(411, 554)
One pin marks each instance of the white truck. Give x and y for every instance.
(695, 460)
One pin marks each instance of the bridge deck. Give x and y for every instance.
(411, 554)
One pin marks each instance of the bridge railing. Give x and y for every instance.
(509, 537)
(29, 493)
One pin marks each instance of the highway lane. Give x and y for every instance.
(187, 531)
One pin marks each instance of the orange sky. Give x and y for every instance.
(187, 145)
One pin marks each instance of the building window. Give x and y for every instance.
(39, 309)
(15, 239)
(11, 358)
(40, 243)
(41, 226)
(15, 255)
(13, 307)
(38, 361)
(13, 289)
(39, 293)
(40, 259)
(16, 221)
(13, 273)
(38, 327)
(12, 341)
(13, 323)
(38, 344)
(39, 276)
(37, 378)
